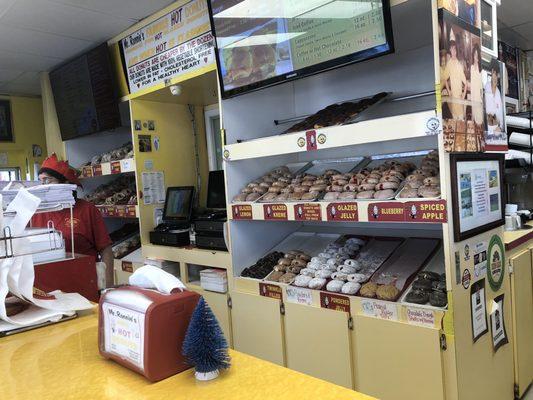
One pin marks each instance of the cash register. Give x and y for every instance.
(209, 224)
(174, 230)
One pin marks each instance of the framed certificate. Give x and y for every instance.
(477, 193)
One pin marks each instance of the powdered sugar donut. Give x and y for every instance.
(316, 283)
(334, 286)
(308, 272)
(357, 278)
(323, 255)
(352, 263)
(350, 288)
(302, 280)
(339, 276)
(332, 261)
(323, 273)
(347, 269)
(313, 265)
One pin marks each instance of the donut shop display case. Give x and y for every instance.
(350, 272)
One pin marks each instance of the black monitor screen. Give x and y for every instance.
(178, 204)
(263, 42)
(216, 191)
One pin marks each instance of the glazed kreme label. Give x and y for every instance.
(334, 302)
(307, 212)
(386, 212)
(242, 211)
(426, 211)
(268, 290)
(276, 212)
(342, 212)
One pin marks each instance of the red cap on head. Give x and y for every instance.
(62, 167)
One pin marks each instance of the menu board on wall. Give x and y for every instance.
(477, 193)
(177, 43)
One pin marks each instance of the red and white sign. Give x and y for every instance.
(342, 212)
(334, 302)
(275, 212)
(386, 212)
(269, 290)
(242, 211)
(115, 167)
(426, 211)
(308, 212)
(310, 138)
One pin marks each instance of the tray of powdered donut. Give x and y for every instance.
(284, 262)
(393, 277)
(346, 264)
(428, 289)
(423, 182)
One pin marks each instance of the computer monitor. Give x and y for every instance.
(178, 204)
(216, 190)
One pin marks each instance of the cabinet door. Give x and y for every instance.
(522, 303)
(257, 327)
(318, 343)
(397, 361)
(218, 302)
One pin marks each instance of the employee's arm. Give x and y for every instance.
(107, 258)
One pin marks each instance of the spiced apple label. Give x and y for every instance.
(334, 302)
(268, 290)
(307, 212)
(242, 211)
(426, 211)
(275, 212)
(342, 212)
(386, 212)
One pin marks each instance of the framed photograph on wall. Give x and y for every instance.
(489, 28)
(477, 193)
(6, 126)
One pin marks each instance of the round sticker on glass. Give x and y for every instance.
(496, 263)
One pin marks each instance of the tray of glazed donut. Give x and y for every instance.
(423, 182)
(428, 289)
(285, 260)
(393, 277)
(272, 184)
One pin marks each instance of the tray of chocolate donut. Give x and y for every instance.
(272, 184)
(428, 289)
(395, 275)
(423, 182)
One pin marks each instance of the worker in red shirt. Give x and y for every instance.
(90, 233)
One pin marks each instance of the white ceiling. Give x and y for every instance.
(516, 23)
(37, 35)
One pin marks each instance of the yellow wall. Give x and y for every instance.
(54, 143)
(176, 154)
(28, 129)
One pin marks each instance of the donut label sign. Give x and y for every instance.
(115, 167)
(386, 212)
(342, 212)
(310, 137)
(275, 212)
(426, 211)
(334, 302)
(307, 212)
(268, 290)
(241, 211)
(97, 170)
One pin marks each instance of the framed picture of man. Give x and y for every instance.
(6, 127)
(494, 105)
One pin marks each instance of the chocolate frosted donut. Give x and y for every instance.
(417, 297)
(432, 276)
(422, 284)
(438, 299)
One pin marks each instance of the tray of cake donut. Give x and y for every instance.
(291, 255)
(423, 182)
(272, 183)
(344, 265)
(395, 275)
(428, 289)
(379, 180)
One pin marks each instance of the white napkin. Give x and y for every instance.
(150, 277)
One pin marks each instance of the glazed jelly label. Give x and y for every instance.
(342, 212)
(426, 211)
(386, 212)
(115, 167)
(275, 212)
(242, 211)
(269, 290)
(334, 302)
(307, 212)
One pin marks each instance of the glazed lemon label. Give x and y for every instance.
(242, 211)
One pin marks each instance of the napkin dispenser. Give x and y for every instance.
(143, 329)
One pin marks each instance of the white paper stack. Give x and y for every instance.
(50, 195)
(215, 280)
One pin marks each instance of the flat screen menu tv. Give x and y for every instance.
(84, 94)
(262, 43)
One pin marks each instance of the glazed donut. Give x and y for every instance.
(295, 196)
(239, 197)
(347, 196)
(247, 190)
(384, 194)
(387, 185)
(301, 189)
(279, 184)
(285, 261)
(274, 189)
(366, 187)
(366, 194)
(298, 263)
(339, 176)
(264, 185)
(317, 188)
(340, 182)
(260, 189)
(336, 188)
(331, 196)
(283, 197)
(371, 180)
(253, 196)
(269, 197)
(310, 196)
(432, 181)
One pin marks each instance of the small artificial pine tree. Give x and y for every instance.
(205, 346)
